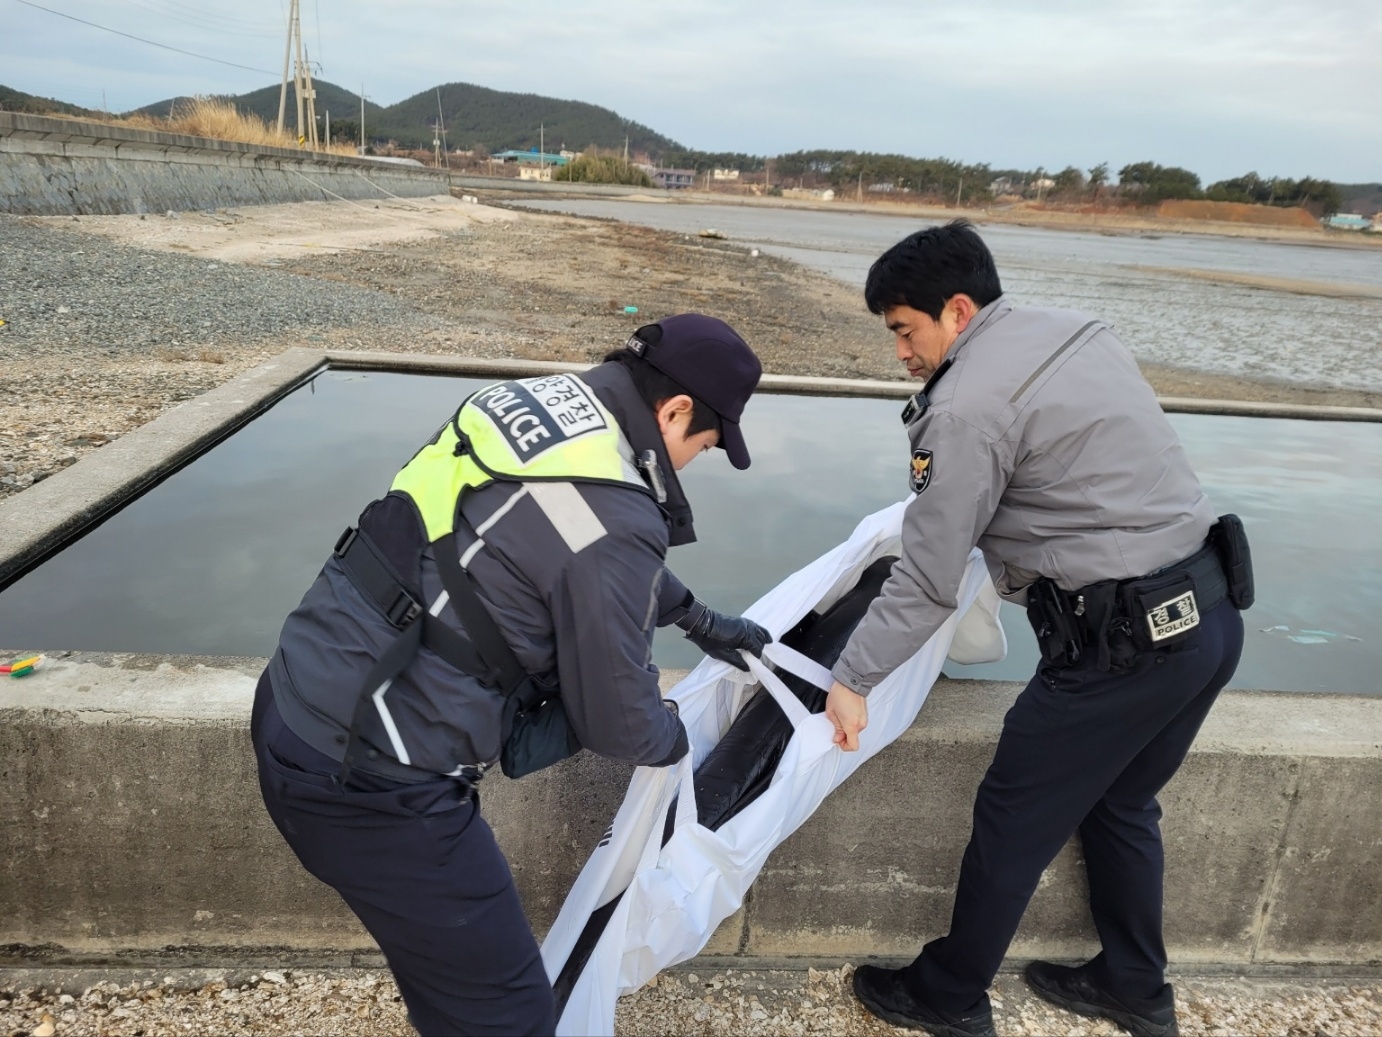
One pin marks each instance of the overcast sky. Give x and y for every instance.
(1282, 87)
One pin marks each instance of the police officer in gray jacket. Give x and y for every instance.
(498, 604)
(1036, 438)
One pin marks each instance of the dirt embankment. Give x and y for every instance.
(112, 320)
(1237, 212)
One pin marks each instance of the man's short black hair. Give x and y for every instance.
(655, 387)
(925, 269)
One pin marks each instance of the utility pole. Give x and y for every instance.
(302, 82)
(445, 151)
(959, 195)
(541, 148)
(861, 185)
(287, 50)
(362, 118)
(626, 149)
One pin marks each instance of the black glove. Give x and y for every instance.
(720, 636)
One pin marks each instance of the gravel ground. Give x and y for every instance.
(100, 337)
(760, 1003)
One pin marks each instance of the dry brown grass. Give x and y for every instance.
(218, 120)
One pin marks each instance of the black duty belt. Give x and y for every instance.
(1152, 612)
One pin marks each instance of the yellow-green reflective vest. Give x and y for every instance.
(550, 428)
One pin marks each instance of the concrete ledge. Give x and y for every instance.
(131, 830)
(64, 167)
(47, 514)
(53, 132)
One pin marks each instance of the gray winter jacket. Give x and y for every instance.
(1045, 446)
(574, 576)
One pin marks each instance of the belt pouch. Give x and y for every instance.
(1100, 601)
(536, 734)
(1162, 610)
(1055, 628)
(1230, 541)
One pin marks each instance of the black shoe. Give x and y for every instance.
(885, 995)
(1078, 991)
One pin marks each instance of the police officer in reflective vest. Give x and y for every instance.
(496, 606)
(1036, 438)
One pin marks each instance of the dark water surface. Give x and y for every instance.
(211, 560)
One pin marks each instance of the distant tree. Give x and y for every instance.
(1098, 177)
(603, 169)
(1069, 181)
(1318, 196)
(1149, 183)
(345, 131)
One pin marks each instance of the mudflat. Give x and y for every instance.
(109, 320)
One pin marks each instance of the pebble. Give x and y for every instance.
(751, 1003)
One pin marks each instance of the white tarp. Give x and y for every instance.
(679, 893)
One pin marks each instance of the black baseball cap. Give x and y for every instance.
(709, 359)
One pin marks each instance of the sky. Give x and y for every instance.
(1220, 87)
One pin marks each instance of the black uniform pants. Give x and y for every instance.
(1088, 751)
(421, 869)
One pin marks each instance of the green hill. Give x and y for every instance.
(17, 101)
(474, 116)
(497, 120)
(341, 103)
(1364, 199)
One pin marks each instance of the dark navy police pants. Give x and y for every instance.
(1081, 751)
(421, 869)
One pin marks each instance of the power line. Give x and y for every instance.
(141, 39)
(203, 19)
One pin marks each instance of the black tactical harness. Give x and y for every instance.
(486, 655)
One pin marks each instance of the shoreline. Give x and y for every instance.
(1115, 224)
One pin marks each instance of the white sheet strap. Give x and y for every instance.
(806, 668)
(791, 705)
(676, 779)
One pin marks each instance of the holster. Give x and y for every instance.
(1230, 542)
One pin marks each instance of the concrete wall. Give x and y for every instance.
(130, 819)
(58, 167)
(130, 822)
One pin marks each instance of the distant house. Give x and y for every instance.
(724, 174)
(1349, 221)
(1003, 185)
(673, 179)
(528, 172)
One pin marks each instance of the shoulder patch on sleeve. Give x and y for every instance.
(922, 465)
